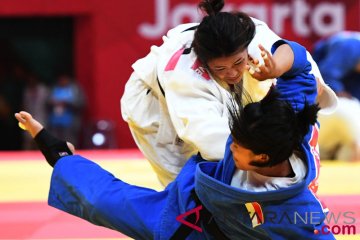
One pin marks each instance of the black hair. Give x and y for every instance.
(221, 33)
(271, 126)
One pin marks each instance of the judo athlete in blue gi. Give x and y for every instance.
(264, 188)
(338, 57)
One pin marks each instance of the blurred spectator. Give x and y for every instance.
(35, 96)
(65, 105)
(338, 58)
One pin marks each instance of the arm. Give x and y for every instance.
(261, 45)
(263, 41)
(274, 65)
(266, 37)
(303, 84)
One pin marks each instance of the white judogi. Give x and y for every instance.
(192, 116)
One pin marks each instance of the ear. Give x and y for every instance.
(262, 157)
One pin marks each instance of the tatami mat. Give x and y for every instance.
(24, 183)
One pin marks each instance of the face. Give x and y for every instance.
(243, 157)
(229, 69)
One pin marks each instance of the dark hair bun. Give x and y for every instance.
(211, 7)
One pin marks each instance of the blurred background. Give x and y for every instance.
(74, 57)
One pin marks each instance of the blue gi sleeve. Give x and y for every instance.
(82, 188)
(300, 60)
(297, 85)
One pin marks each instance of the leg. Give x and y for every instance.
(83, 188)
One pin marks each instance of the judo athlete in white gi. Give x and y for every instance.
(338, 57)
(176, 104)
(264, 188)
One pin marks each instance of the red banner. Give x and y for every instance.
(299, 20)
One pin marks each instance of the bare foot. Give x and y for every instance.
(31, 125)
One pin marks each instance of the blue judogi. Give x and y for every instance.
(82, 188)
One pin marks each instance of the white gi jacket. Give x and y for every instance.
(188, 113)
